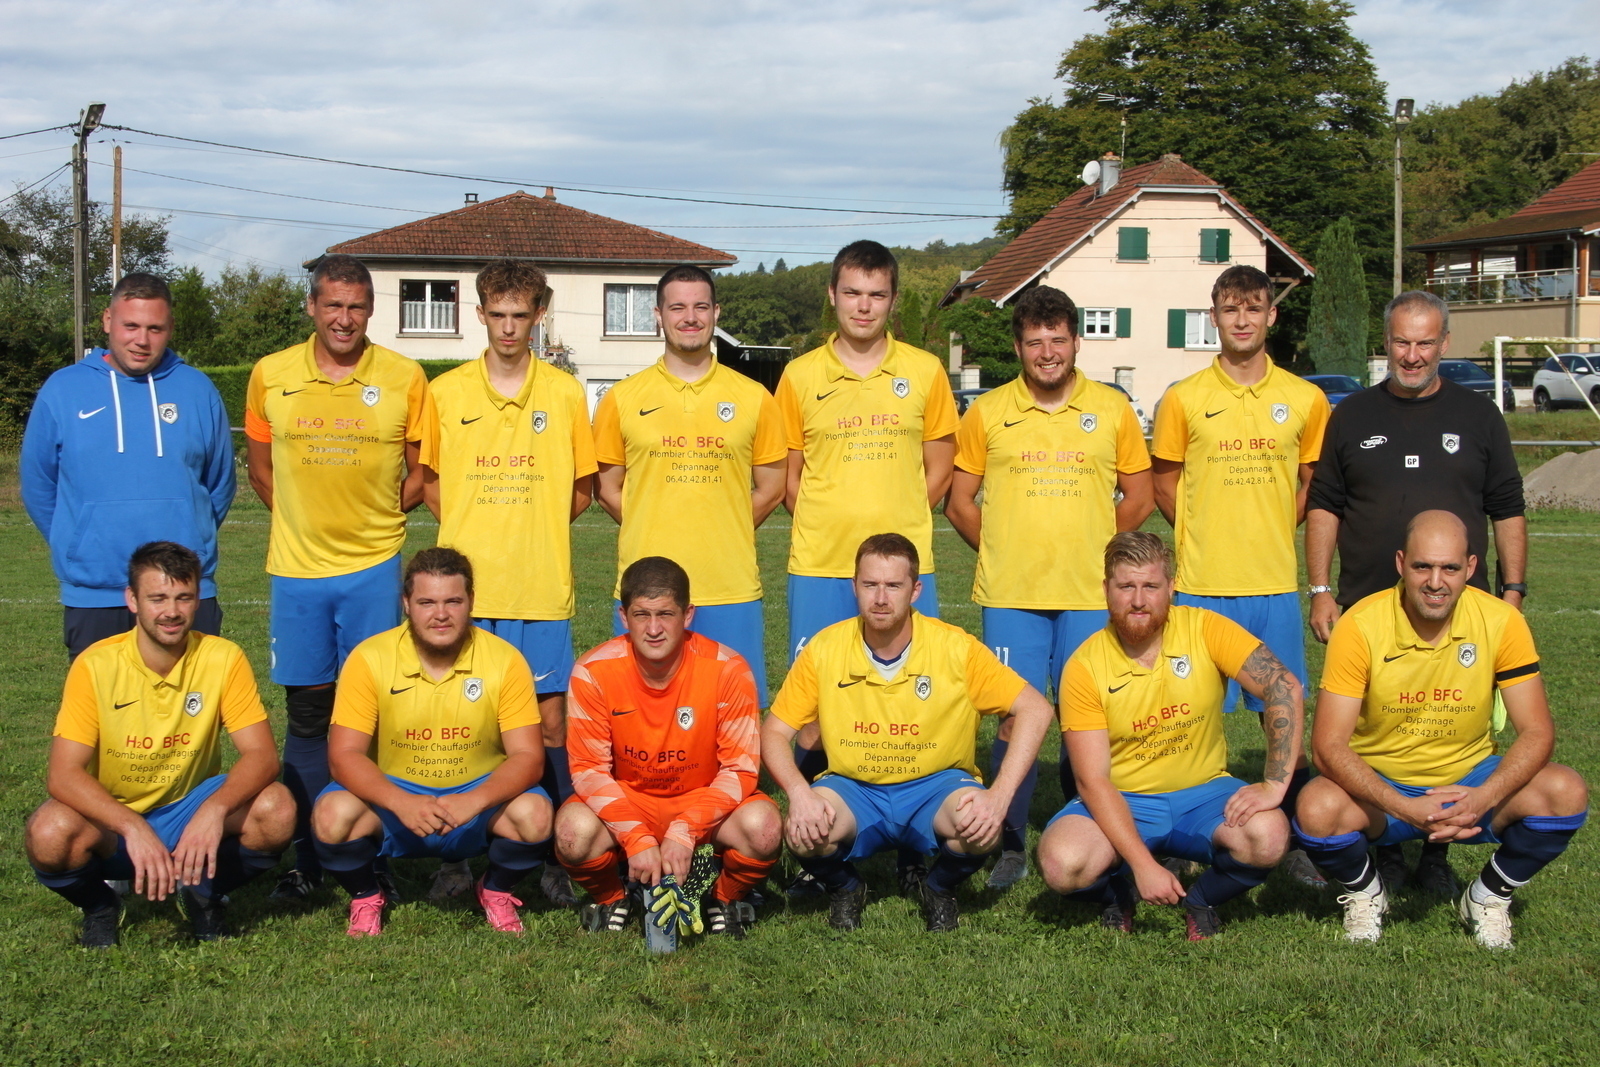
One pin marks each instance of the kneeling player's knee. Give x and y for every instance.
(1323, 808)
(1266, 839)
(308, 709)
(1064, 867)
(56, 836)
(576, 830)
(530, 815)
(270, 824)
(1565, 790)
(756, 829)
(334, 815)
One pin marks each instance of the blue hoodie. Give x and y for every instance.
(110, 462)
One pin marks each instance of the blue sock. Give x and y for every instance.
(1110, 888)
(305, 772)
(84, 886)
(834, 872)
(557, 778)
(951, 869)
(510, 860)
(236, 865)
(1342, 857)
(811, 761)
(1014, 835)
(351, 863)
(1526, 846)
(1069, 781)
(1225, 879)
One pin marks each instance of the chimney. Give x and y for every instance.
(1110, 172)
(549, 192)
(472, 198)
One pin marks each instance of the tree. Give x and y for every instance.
(40, 240)
(986, 338)
(256, 314)
(194, 319)
(1337, 330)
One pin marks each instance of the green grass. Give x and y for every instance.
(1025, 980)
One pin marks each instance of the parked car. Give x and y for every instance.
(1467, 373)
(1552, 388)
(1337, 386)
(965, 397)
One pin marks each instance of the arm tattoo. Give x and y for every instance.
(1277, 689)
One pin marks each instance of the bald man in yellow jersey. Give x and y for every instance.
(1141, 705)
(333, 430)
(1404, 738)
(136, 783)
(508, 464)
(1048, 452)
(435, 750)
(692, 460)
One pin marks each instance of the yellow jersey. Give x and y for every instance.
(1426, 710)
(922, 722)
(1164, 723)
(1241, 447)
(338, 457)
(435, 733)
(157, 738)
(862, 439)
(1048, 479)
(506, 467)
(689, 448)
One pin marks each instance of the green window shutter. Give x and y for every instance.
(1124, 322)
(1177, 327)
(1214, 246)
(1133, 242)
(1224, 238)
(1081, 322)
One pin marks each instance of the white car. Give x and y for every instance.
(1553, 388)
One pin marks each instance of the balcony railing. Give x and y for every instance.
(1503, 288)
(417, 316)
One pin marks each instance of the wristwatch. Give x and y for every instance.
(1314, 590)
(1514, 587)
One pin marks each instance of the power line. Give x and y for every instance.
(262, 192)
(30, 133)
(267, 219)
(47, 178)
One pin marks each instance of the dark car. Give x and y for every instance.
(965, 397)
(1337, 386)
(1467, 373)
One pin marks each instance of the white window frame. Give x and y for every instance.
(1199, 332)
(430, 315)
(639, 309)
(1099, 324)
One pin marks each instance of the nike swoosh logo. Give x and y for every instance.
(291, 392)
(1019, 422)
(1214, 414)
(119, 707)
(824, 396)
(1124, 685)
(396, 692)
(542, 677)
(847, 685)
(468, 422)
(642, 411)
(630, 711)
(90, 414)
(1391, 659)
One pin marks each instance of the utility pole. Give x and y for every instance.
(88, 122)
(116, 215)
(1402, 115)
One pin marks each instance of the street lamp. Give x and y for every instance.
(1402, 115)
(88, 122)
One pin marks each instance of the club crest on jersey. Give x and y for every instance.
(370, 394)
(725, 411)
(192, 703)
(540, 421)
(1180, 665)
(685, 718)
(1280, 413)
(168, 413)
(1088, 421)
(472, 689)
(924, 687)
(1452, 443)
(1467, 654)
(901, 387)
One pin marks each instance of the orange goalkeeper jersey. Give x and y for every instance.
(697, 739)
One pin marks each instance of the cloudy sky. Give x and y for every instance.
(888, 107)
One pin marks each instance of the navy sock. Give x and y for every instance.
(951, 869)
(351, 864)
(1526, 846)
(1297, 782)
(305, 772)
(83, 886)
(835, 872)
(1342, 857)
(510, 860)
(1069, 781)
(1225, 879)
(236, 865)
(811, 761)
(1109, 888)
(1014, 835)
(557, 778)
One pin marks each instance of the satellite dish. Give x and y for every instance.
(1091, 172)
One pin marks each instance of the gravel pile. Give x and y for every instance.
(1571, 480)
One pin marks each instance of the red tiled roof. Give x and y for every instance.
(1071, 220)
(1572, 205)
(1578, 193)
(523, 226)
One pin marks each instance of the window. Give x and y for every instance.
(1133, 242)
(1214, 246)
(1191, 328)
(630, 309)
(1105, 323)
(427, 307)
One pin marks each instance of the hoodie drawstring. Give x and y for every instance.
(155, 412)
(116, 401)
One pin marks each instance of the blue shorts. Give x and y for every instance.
(545, 643)
(1179, 823)
(1275, 619)
(742, 627)
(1036, 644)
(315, 622)
(462, 843)
(898, 816)
(817, 603)
(1399, 830)
(169, 821)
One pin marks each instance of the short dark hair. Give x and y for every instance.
(651, 576)
(1138, 548)
(890, 546)
(685, 272)
(441, 561)
(341, 268)
(867, 256)
(170, 558)
(141, 286)
(1042, 307)
(1241, 280)
(513, 277)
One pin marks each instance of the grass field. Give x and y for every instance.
(1026, 979)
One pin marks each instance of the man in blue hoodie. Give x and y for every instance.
(129, 445)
